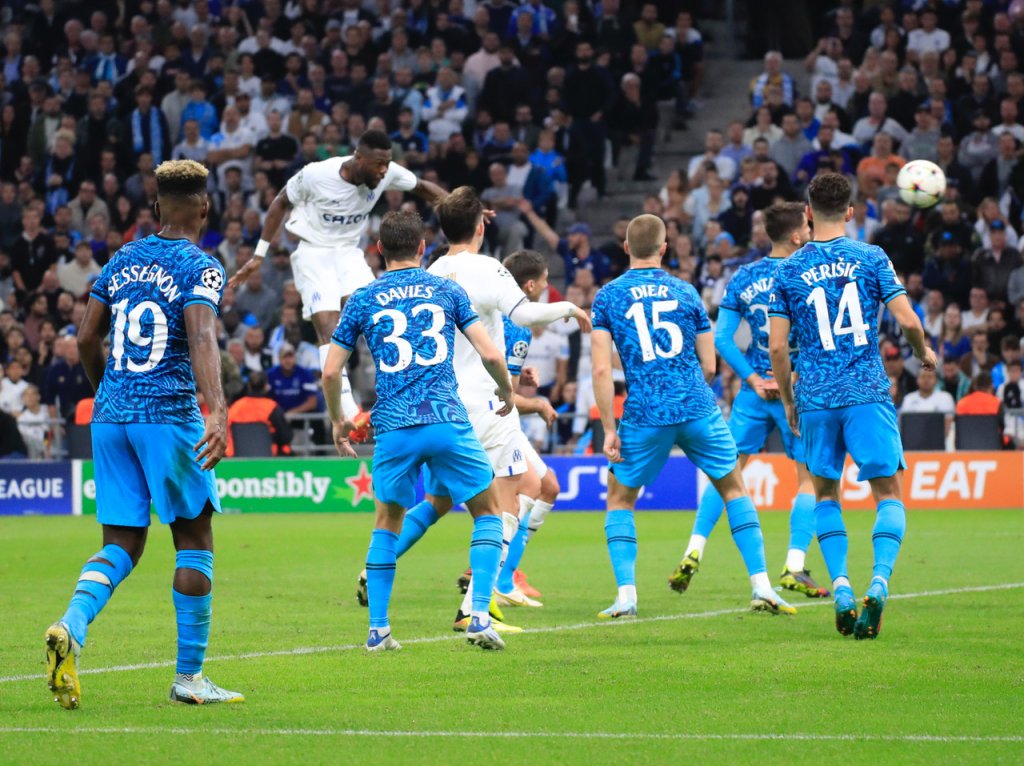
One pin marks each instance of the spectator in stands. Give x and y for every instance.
(930, 398)
(588, 96)
(953, 380)
(575, 249)
(536, 184)
(1009, 353)
(901, 241)
(773, 76)
(257, 406)
(66, 383)
(633, 122)
(790, 149)
(32, 423)
(200, 110)
(713, 145)
(949, 271)
(255, 356)
(85, 205)
(877, 121)
(1011, 392)
(1015, 286)
(1001, 170)
(992, 267)
(32, 253)
(445, 108)
(977, 313)
(922, 142)
(861, 227)
(955, 343)
(982, 400)
(763, 127)
(76, 275)
(293, 387)
(979, 146)
(12, 387)
(505, 200)
(979, 359)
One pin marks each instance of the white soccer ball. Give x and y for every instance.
(921, 183)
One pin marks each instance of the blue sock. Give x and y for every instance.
(418, 520)
(890, 526)
(828, 519)
(709, 511)
(380, 575)
(516, 549)
(193, 613)
(620, 530)
(484, 559)
(801, 522)
(95, 586)
(746, 533)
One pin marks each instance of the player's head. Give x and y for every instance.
(373, 155)
(828, 198)
(786, 225)
(401, 238)
(645, 238)
(461, 214)
(181, 197)
(530, 270)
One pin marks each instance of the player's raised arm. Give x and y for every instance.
(494, 362)
(201, 326)
(95, 326)
(276, 214)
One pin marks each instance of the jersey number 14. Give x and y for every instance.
(849, 306)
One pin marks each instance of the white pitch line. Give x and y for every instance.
(303, 650)
(598, 735)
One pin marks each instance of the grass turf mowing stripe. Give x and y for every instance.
(303, 650)
(736, 737)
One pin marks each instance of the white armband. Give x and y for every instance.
(261, 248)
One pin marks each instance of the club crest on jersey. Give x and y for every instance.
(369, 197)
(212, 278)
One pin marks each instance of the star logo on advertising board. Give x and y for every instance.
(361, 484)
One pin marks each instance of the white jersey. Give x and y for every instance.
(329, 211)
(493, 292)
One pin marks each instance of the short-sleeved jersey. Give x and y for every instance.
(517, 345)
(830, 292)
(749, 295)
(147, 285)
(654, 319)
(328, 211)
(494, 292)
(409, 319)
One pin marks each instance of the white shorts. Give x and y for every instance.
(531, 455)
(325, 275)
(500, 438)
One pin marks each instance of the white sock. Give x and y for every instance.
(509, 527)
(795, 560)
(349, 406)
(761, 581)
(525, 506)
(697, 543)
(840, 582)
(467, 600)
(627, 594)
(484, 618)
(537, 513)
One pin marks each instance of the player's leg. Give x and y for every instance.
(542, 506)
(122, 507)
(795, 575)
(709, 444)
(185, 498)
(821, 434)
(381, 562)
(749, 425)
(529, 487)
(873, 439)
(644, 450)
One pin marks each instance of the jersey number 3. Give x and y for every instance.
(129, 323)
(849, 305)
(675, 336)
(400, 323)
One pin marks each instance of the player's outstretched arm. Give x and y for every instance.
(201, 327)
(604, 392)
(494, 363)
(276, 214)
(337, 358)
(95, 326)
(529, 314)
(536, 405)
(782, 368)
(909, 321)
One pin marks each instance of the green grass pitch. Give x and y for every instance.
(696, 678)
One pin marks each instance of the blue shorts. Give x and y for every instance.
(753, 419)
(867, 431)
(139, 463)
(706, 442)
(456, 464)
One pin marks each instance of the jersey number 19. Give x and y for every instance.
(849, 305)
(129, 325)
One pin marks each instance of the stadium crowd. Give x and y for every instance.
(529, 103)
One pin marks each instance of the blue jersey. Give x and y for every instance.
(409, 318)
(517, 346)
(831, 291)
(748, 294)
(147, 285)
(654, 319)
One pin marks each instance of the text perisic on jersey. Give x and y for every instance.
(830, 271)
(163, 280)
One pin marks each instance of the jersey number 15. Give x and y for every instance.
(643, 330)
